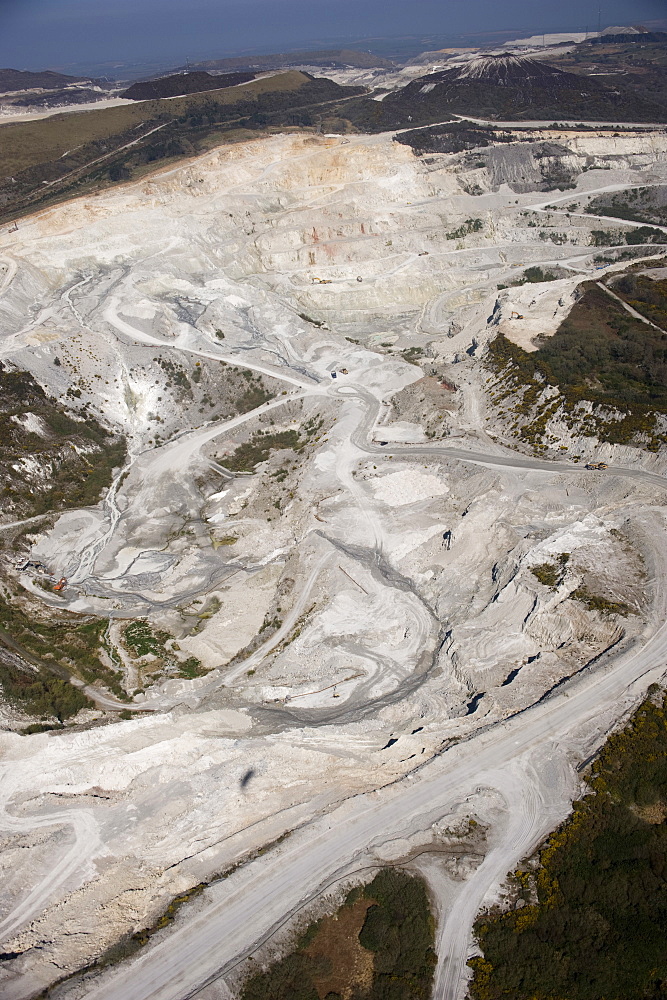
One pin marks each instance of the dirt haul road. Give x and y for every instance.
(524, 760)
(254, 901)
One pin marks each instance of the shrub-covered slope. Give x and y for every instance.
(183, 83)
(505, 88)
(379, 946)
(592, 919)
(603, 374)
(16, 80)
(48, 460)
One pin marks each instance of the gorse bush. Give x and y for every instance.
(42, 694)
(397, 931)
(598, 928)
(259, 447)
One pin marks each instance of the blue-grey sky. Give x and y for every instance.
(37, 34)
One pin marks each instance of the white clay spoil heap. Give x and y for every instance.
(371, 614)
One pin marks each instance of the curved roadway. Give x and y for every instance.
(515, 757)
(247, 908)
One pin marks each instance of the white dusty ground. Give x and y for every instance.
(397, 575)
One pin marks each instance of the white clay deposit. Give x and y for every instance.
(377, 642)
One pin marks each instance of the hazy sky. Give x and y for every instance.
(38, 34)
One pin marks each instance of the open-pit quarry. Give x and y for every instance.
(346, 615)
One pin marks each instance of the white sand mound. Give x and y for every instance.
(409, 486)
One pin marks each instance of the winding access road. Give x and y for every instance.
(525, 760)
(248, 907)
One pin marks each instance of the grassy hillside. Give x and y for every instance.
(27, 144)
(591, 920)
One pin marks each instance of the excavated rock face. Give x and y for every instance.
(539, 166)
(360, 606)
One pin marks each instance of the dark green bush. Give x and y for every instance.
(398, 929)
(598, 929)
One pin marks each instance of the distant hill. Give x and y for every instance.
(504, 88)
(334, 58)
(56, 98)
(181, 84)
(641, 37)
(15, 80)
(627, 67)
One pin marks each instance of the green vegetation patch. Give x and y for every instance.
(260, 446)
(647, 295)
(633, 237)
(454, 137)
(531, 276)
(593, 922)
(600, 354)
(253, 397)
(552, 574)
(379, 946)
(411, 354)
(309, 319)
(534, 275)
(602, 604)
(42, 694)
(142, 639)
(191, 668)
(64, 644)
(469, 226)
(646, 204)
(77, 457)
